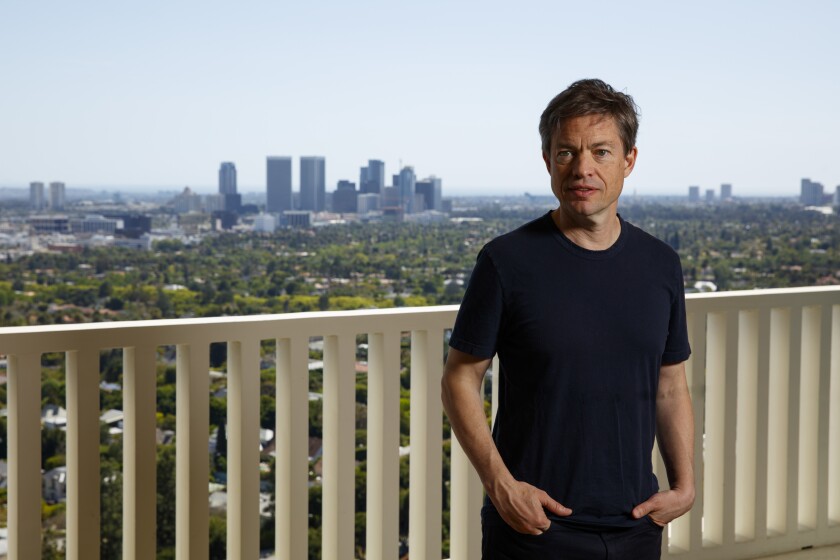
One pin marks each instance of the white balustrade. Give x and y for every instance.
(764, 377)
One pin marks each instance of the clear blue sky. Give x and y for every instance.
(159, 93)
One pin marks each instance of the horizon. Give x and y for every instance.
(462, 192)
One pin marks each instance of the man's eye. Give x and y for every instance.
(564, 154)
(602, 153)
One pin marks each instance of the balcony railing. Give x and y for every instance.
(764, 374)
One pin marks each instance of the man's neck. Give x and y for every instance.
(592, 233)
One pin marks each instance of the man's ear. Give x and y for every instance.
(630, 161)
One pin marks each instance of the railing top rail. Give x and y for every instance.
(318, 323)
(752, 299)
(176, 331)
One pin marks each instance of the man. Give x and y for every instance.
(587, 315)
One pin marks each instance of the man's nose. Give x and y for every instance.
(583, 165)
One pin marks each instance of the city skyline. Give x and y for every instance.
(130, 96)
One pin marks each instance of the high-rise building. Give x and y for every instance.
(837, 196)
(57, 196)
(710, 195)
(231, 200)
(367, 202)
(278, 180)
(811, 193)
(726, 191)
(372, 177)
(430, 188)
(37, 200)
(406, 183)
(344, 198)
(694, 194)
(227, 178)
(312, 183)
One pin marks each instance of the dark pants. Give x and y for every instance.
(563, 542)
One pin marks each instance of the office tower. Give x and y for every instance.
(372, 177)
(390, 197)
(344, 198)
(811, 193)
(367, 203)
(430, 188)
(278, 180)
(837, 196)
(231, 200)
(57, 196)
(227, 178)
(710, 195)
(312, 183)
(726, 191)
(406, 183)
(37, 200)
(694, 194)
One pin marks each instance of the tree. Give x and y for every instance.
(110, 496)
(165, 498)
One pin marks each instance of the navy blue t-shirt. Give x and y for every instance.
(581, 336)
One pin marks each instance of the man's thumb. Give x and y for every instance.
(641, 510)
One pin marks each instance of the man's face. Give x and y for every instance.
(588, 165)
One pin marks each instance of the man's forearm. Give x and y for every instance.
(465, 408)
(675, 428)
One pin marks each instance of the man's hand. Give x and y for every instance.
(523, 506)
(664, 507)
(520, 505)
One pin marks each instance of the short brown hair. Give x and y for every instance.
(591, 97)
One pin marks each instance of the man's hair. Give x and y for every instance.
(591, 97)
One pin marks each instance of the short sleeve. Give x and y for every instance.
(480, 316)
(677, 348)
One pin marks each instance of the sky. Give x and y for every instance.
(157, 94)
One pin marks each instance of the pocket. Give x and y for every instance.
(653, 523)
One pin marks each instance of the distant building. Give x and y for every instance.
(94, 224)
(430, 189)
(344, 198)
(143, 243)
(49, 224)
(278, 181)
(726, 191)
(811, 193)
(372, 177)
(223, 220)
(446, 205)
(231, 200)
(57, 196)
(367, 203)
(694, 194)
(37, 199)
(406, 183)
(312, 183)
(265, 223)
(132, 225)
(298, 218)
(227, 178)
(187, 201)
(710, 195)
(54, 487)
(213, 203)
(837, 196)
(390, 198)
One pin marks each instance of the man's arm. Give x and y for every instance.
(675, 433)
(520, 504)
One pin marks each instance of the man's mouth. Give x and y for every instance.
(582, 191)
